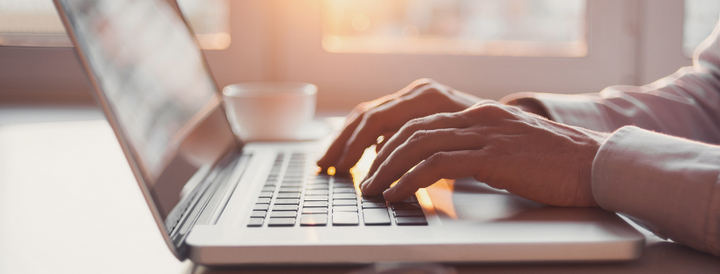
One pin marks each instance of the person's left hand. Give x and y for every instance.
(500, 145)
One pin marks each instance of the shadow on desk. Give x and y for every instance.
(659, 257)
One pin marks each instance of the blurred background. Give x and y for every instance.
(357, 50)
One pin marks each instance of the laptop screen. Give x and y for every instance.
(158, 93)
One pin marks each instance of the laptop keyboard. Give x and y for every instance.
(291, 198)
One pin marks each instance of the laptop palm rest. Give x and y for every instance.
(466, 201)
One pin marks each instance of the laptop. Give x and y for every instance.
(218, 200)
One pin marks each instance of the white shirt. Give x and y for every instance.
(661, 166)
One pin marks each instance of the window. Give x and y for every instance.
(470, 27)
(477, 46)
(31, 23)
(210, 20)
(352, 73)
(36, 23)
(701, 16)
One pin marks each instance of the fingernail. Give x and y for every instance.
(387, 192)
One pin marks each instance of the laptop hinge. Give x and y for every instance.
(207, 197)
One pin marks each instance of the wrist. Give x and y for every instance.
(584, 190)
(531, 106)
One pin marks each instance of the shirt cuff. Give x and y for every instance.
(668, 183)
(575, 110)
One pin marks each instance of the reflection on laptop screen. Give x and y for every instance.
(150, 70)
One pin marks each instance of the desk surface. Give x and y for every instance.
(69, 204)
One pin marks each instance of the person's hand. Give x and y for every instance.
(500, 145)
(384, 116)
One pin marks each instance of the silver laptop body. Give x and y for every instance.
(205, 187)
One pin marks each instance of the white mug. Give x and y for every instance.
(269, 111)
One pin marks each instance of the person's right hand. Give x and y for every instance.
(386, 115)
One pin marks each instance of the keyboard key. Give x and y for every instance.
(344, 190)
(281, 222)
(318, 187)
(346, 185)
(412, 199)
(255, 222)
(289, 195)
(261, 207)
(376, 198)
(406, 206)
(270, 183)
(345, 209)
(314, 210)
(287, 201)
(291, 184)
(316, 192)
(345, 218)
(258, 214)
(315, 204)
(322, 175)
(339, 179)
(263, 201)
(344, 202)
(317, 181)
(290, 189)
(409, 213)
(285, 207)
(269, 188)
(316, 198)
(376, 216)
(373, 205)
(411, 221)
(283, 214)
(313, 219)
(266, 194)
(345, 196)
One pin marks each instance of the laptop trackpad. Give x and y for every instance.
(469, 200)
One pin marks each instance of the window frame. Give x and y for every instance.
(660, 52)
(55, 75)
(345, 79)
(281, 40)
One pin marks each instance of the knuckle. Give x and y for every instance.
(417, 137)
(437, 159)
(360, 108)
(424, 81)
(432, 90)
(490, 109)
(415, 123)
(372, 117)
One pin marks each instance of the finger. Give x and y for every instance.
(336, 149)
(420, 146)
(423, 101)
(441, 165)
(436, 121)
(373, 124)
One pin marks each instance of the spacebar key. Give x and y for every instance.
(376, 216)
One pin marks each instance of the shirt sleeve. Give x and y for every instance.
(668, 184)
(685, 104)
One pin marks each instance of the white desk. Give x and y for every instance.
(69, 204)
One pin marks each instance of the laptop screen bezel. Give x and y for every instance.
(211, 120)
